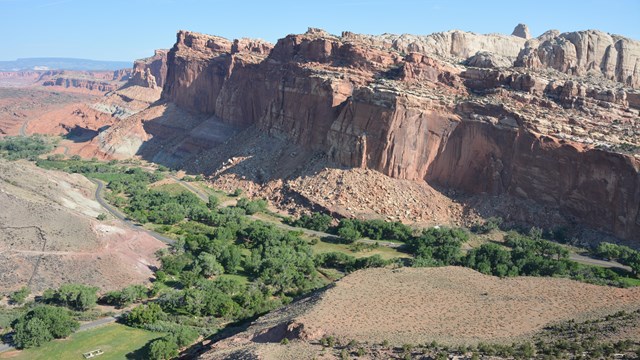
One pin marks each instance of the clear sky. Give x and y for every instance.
(130, 29)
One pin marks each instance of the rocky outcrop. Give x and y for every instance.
(456, 43)
(150, 72)
(85, 84)
(122, 75)
(488, 60)
(585, 52)
(522, 31)
(365, 103)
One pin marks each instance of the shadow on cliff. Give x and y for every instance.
(79, 134)
(177, 137)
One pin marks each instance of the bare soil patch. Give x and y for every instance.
(455, 305)
(49, 234)
(449, 305)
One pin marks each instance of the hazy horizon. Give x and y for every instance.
(124, 31)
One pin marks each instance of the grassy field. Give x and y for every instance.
(385, 252)
(172, 188)
(115, 340)
(243, 279)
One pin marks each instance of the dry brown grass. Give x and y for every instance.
(454, 305)
(451, 305)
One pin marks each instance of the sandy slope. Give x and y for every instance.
(450, 305)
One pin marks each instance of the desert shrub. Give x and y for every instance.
(126, 296)
(489, 225)
(18, 297)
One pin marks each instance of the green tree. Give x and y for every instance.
(491, 259)
(184, 336)
(213, 202)
(169, 213)
(41, 324)
(125, 297)
(210, 265)
(252, 206)
(144, 314)
(77, 296)
(163, 349)
(348, 231)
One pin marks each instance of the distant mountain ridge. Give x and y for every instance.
(62, 64)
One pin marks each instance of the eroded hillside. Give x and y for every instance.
(49, 234)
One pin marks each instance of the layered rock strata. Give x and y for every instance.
(404, 106)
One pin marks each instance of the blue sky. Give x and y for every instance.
(130, 29)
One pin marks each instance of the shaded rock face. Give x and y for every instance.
(591, 186)
(488, 60)
(367, 103)
(522, 31)
(150, 72)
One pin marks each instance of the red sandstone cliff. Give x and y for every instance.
(150, 72)
(395, 104)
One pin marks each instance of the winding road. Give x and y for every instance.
(120, 216)
(23, 128)
(202, 195)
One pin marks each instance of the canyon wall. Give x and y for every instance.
(392, 104)
(150, 72)
(85, 84)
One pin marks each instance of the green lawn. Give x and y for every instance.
(114, 339)
(243, 279)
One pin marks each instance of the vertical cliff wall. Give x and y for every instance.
(367, 104)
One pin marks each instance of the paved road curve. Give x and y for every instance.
(23, 128)
(116, 213)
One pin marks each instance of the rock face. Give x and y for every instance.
(91, 81)
(150, 72)
(522, 31)
(488, 60)
(586, 52)
(402, 105)
(90, 85)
